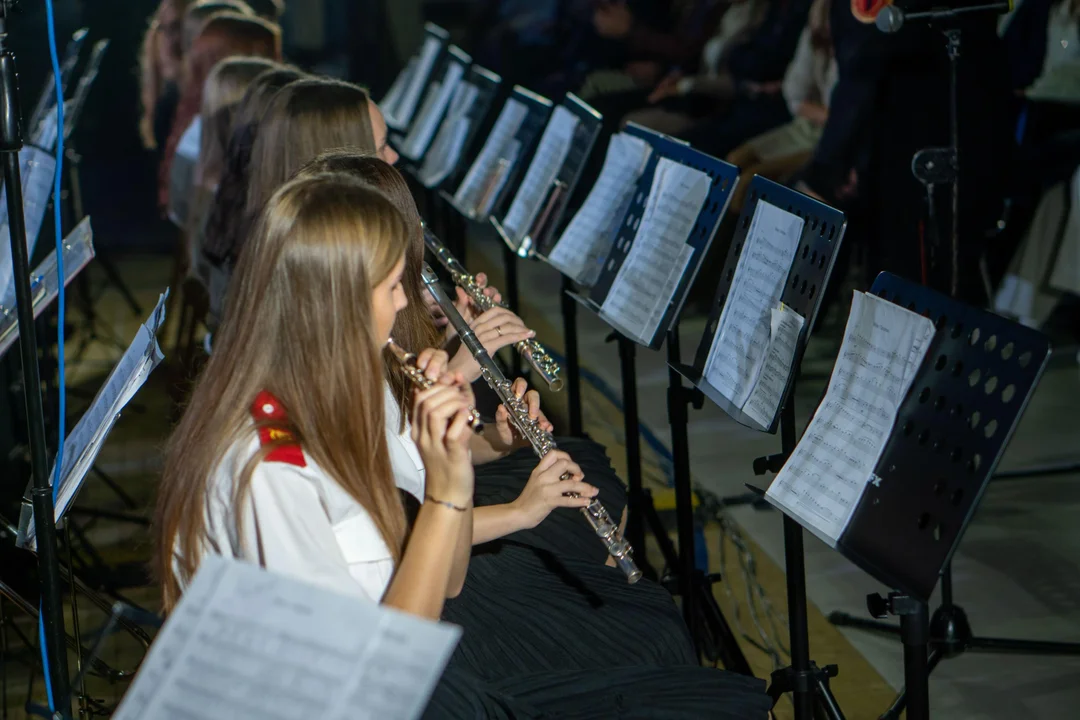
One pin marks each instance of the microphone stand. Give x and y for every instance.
(52, 607)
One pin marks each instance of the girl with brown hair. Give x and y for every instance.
(222, 35)
(281, 458)
(538, 599)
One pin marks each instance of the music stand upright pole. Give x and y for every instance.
(573, 363)
(52, 607)
(635, 517)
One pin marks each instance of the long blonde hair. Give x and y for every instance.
(414, 328)
(299, 325)
(153, 78)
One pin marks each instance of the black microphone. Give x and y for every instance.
(891, 18)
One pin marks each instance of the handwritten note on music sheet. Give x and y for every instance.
(498, 146)
(742, 337)
(410, 96)
(784, 330)
(433, 111)
(547, 160)
(247, 644)
(445, 151)
(580, 252)
(823, 480)
(648, 277)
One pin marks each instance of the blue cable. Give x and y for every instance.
(50, 21)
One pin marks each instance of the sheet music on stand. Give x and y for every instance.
(822, 482)
(37, 169)
(468, 108)
(400, 115)
(248, 644)
(433, 110)
(580, 251)
(182, 173)
(73, 109)
(510, 140)
(393, 96)
(754, 347)
(78, 252)
(84, 442)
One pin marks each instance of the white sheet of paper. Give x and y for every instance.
(247, 644)
(823, 480)
(433, 111)
(742, 336)
(549, 157)
(410, 96)
(643, 287)
(37, 170)
(578, 254)
(445, 151)
(497, 147)
(784, 331)
(503, 169)
(83, 443)
(390, 101)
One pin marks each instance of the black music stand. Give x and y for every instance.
(400, 112)
(951, 431)
(815, 257)
(448, 225)
(699, 612)
(455, 62)
(509, 173)
(541, 236)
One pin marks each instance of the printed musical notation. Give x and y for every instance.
(747, 332)
(402, 112)
(648, 278)
(246, 643)
(445, 151)
(36, 168)
(432, 111)
(823, 480)
(547, 160)
(580, 251)
(498, 146)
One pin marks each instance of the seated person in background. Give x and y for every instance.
(199, 12)
(160, 61)
(681, 99)
(807, 86)
(749, 99)
(271, 10)
(647, 49)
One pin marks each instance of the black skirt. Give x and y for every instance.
(550, 631)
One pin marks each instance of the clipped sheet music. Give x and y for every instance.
(445, 151)
(410, 96)
(747, 331)
(823, 480)
(647, 279)
(248, 644)
(580, 252)
(432, 111)
(83, 443)
(37, 169)
(489, 171)
(78, 252)
(547, 160)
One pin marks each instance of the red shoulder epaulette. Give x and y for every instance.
(271, 419)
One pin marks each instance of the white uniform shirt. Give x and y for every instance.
(296, 519)
(404, 455)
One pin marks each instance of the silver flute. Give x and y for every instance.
(533, 352)
(423, 382)
(541, 440)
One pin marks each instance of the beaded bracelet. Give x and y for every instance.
(452, 506)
